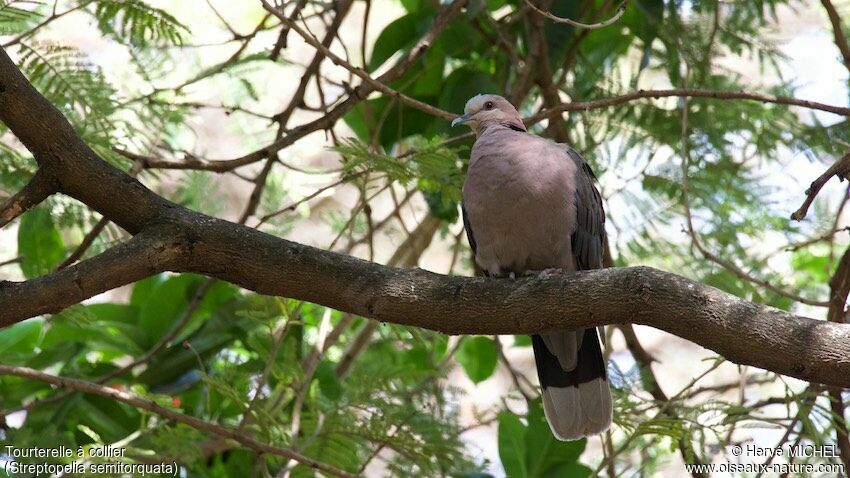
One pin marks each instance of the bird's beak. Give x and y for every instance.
(461, 120)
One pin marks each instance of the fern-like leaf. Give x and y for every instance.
(137, 23)
(74, 85)
(18, 16)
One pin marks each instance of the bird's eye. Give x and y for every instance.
(488, 105)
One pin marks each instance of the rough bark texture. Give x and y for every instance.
(169, 237)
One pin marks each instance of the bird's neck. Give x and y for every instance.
(515, 125)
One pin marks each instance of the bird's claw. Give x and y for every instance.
(545, 273)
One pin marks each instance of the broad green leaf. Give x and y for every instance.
(166, 304)
(560, 36)
(21, 338)
(512, 445)
(396, 36)
(143, 289)
(39, 243)
(569, 470)
(545, 453)
(522, 341)
(650, 19)
(108, 418)
(411, 5)
(328, 382)
(478, 357)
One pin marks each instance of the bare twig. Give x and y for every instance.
(585, 26)
(691, 93)
(40, 186)
(840, 168)
(11, 261)
(837, 32)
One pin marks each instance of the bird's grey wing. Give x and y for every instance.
(468, 228)
(589, 235)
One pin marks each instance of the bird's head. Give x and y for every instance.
(485, 110)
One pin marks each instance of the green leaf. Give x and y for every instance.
(21, 337)
(512, 445)
(328, 382)
(545, 453)
(559, 36)
(396, 36)
(108, 418)
(522, 341)
(571, 470)
(15, 20)
(478, 356)
(411, 5)
(137, 23)
(167, 302)
(650, 19)
(39, 243)
(142, 289)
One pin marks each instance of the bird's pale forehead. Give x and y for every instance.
(476, 103)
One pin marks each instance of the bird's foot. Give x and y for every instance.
(545, 273)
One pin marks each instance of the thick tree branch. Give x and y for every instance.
(145, 254)
(739, 330)
(57, 148)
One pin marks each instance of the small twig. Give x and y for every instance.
(310, 196)
(281, 42)
(841, 168)
(684, 92)
(37, 190)
(11, 261)
(515, 374)
(838, 34)
(85, 244)
(585, 26)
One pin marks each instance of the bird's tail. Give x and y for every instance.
(576, 396)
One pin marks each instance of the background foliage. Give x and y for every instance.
(363, 397)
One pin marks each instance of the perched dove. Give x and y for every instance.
(529, 204)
